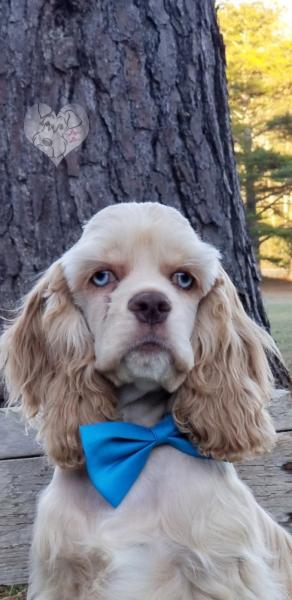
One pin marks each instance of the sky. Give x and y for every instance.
(285, 5)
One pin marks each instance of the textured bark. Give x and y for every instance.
(150, 74)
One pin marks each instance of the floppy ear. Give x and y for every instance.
(221, 405)
(44, 110)
(72, 119)
(47, 357)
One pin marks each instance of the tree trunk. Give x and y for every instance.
(150, 74)
(250, 194)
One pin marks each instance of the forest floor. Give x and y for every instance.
(277, 295)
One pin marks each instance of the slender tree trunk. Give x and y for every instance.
(150, 74)
(250, 194)
(251, 203)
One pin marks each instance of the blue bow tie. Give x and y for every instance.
(116, 452)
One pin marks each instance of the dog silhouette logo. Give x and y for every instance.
(56, 135)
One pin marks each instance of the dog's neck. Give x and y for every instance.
(142, 406)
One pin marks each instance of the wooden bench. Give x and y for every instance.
(24, 472)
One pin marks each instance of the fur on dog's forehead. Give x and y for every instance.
(127, 225)
(127, 232)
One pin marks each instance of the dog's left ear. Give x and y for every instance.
(72, 119)
(221, 405)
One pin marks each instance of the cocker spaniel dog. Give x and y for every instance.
(147, 379)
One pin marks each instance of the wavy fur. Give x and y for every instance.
(222, 403)
(48, 361)
(188, 528)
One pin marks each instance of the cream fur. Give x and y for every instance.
(188, 529)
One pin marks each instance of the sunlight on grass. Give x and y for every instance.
(13, 592)
(280, 315)
(277, 296)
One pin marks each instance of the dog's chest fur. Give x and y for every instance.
(148, 543)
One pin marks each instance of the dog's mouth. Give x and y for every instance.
(150, 344)
(149, 358)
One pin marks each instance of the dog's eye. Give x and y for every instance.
(103, 278)
(183, 280)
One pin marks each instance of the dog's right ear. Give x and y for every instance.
(48, 361)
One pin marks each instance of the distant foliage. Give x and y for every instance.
(259, 67)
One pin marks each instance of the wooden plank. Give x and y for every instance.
(14, 440)
(270, 478)
(281, 411)
(21, 480)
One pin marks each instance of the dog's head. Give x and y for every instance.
(138, 274)
(140, 299)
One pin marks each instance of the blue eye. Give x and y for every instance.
(183, 280)
(103, 278)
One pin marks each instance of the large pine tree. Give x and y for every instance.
(151, 76)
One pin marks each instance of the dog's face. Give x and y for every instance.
(138, 274)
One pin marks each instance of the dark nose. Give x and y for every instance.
(150, 307)
(47, 141)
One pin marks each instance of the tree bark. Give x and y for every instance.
(151, 76)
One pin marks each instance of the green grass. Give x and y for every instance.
(13, 591)
(280, 315)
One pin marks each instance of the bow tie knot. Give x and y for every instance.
(159, 434)
(116, 452)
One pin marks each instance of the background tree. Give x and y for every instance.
(259, 59)
(150, 74)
